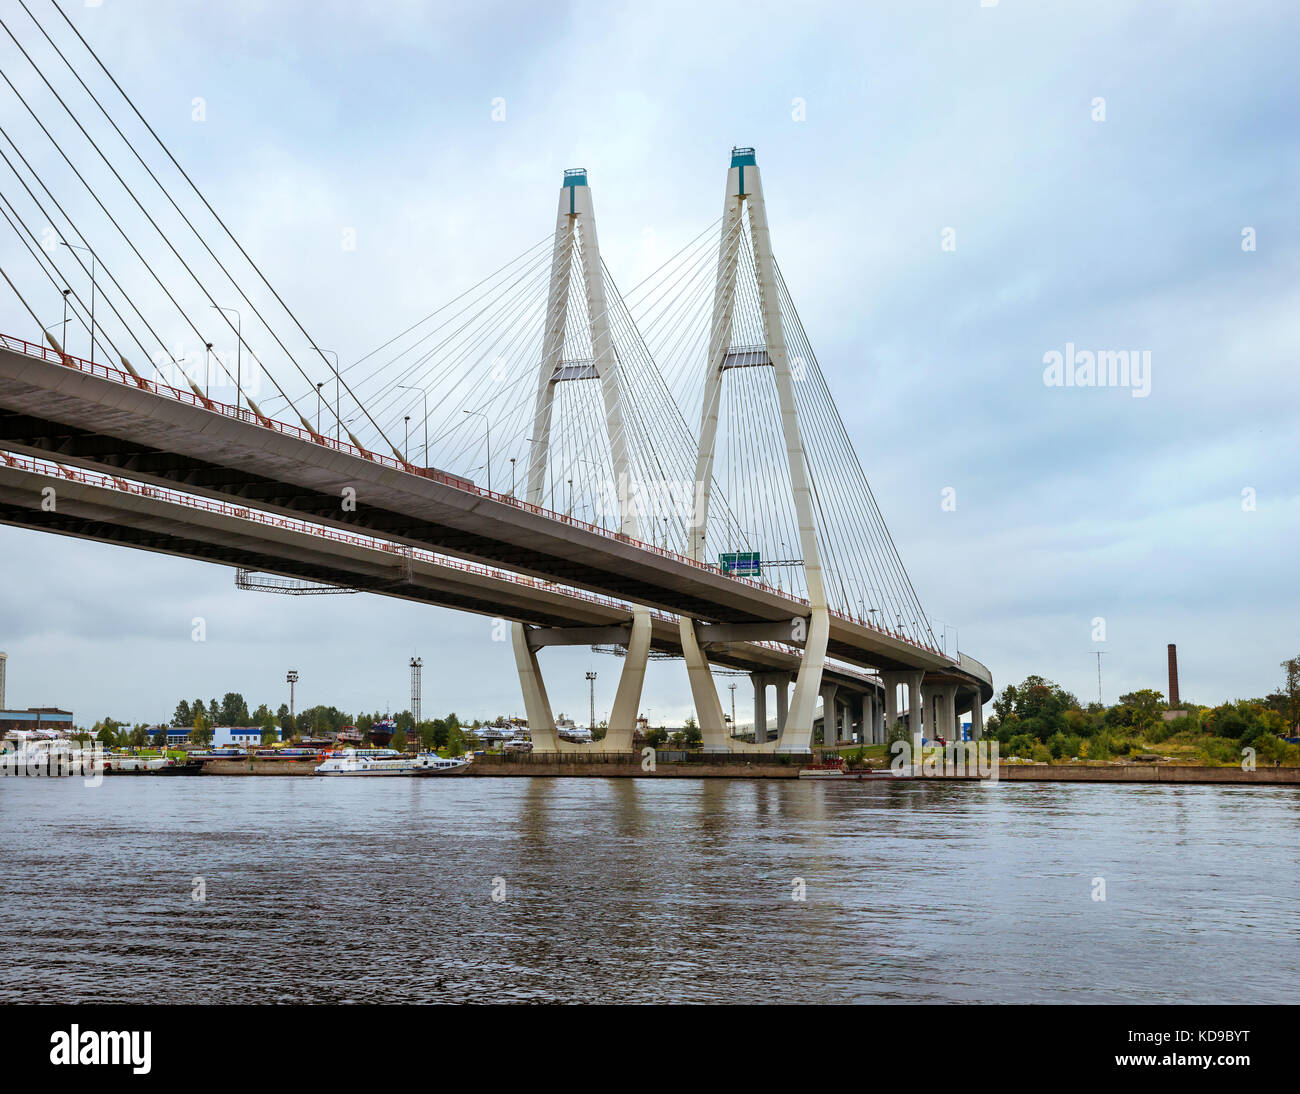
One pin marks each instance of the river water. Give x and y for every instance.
(638, 890)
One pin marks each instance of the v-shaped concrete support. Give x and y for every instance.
(575, 232)
(744, 188)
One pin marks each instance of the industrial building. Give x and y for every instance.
(49, 720)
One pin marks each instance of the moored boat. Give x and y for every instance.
(361, 761)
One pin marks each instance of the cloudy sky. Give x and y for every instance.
(955, 191)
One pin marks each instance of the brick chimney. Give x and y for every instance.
(1173, 676)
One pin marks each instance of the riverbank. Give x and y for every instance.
(580, 766)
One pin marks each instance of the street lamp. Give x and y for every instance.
(239, 349)
(337, 416)
(425, 394)
(79, 247)
(318, 402)
(207, 370)
(63, 339)
(406, 443)
(488, 422)
(512, 476)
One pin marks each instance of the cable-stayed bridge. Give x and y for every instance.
(663, 471)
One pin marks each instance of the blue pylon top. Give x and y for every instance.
(743, 157)
(575, 176)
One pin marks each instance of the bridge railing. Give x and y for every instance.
(248, 416)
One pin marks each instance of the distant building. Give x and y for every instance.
(222, 736)
(35, 718)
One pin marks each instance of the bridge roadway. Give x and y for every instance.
(108, 510)
(104, 419)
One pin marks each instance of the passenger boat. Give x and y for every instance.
(386, 761)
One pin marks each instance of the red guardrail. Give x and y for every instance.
(107, 372)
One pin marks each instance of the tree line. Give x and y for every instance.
(1038, 719)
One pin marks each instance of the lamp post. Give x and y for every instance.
(63, 340)
(207, 370)
(239, 350)
(337, 415)
(291, 678)
(488, 422)
(425, 395)
(79, 247)
(318, 402)
(512, 476)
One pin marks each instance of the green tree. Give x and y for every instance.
(399, 740)
(201, 729)
(234, 711)
(1141, 709)
(183, 715)
(1291, 689)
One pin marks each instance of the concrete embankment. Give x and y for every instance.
(616, 770)
(492, 766)
(1149, 773)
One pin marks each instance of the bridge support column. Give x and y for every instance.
(627, 699)
(915, 706)
(892, 680)
(708, 707)
(946, 718)
(976, 717)
(782, 701)
(760, 706)
(537, 706)
(830, 715)
(870, 718)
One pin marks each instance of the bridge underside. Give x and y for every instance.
(155, 524)
(58, 412)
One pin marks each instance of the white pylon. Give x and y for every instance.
(576, 227)
(744, 186)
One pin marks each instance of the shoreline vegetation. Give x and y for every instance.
(1037, 722)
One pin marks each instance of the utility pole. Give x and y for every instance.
(417, 689)
(338, 418)
(1100, 653)
(239, 354)
(591, 680)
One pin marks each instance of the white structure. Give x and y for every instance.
(575, 233)
(745, 194)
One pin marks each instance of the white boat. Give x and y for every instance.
(51, 757)
(386, 761)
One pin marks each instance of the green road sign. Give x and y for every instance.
(741, 563)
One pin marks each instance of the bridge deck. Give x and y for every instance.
(103, 419)
(91, 506)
